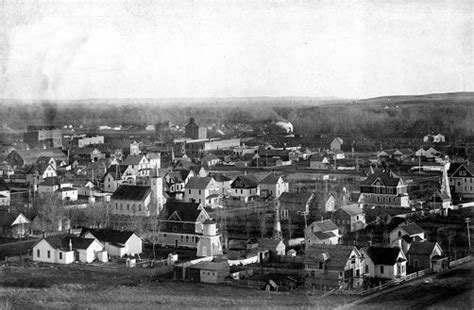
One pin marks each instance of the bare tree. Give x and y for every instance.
(51, 212)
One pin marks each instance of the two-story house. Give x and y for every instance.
(175, 181)
(295, 206)
(384, 189)
(273, 186)
(204, 191)
(350, 218)
(181, 224)
(461, 179)
(403, 235)
(333, 266)
(384, 262)
(244, 188)
(117, 175)
(139, 163)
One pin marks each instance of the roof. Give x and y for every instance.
(8, 217)
(109, 235)
(295, 198)
(216, 266)
(335, 255)
(117, 171)
(352, 209)
(219, 177)
(268, 244)
(387, 179)
(325, 226)
(272, 179)
(133, 160)
(32, 155)
(323, 235)
(186, 211)
(62, 242)
(131, 192)
(383, 255)
(422, 247)
(245, 181)
(198, 182)
(412, 229)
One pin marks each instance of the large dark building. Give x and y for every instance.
(194, 131)
(43, 137)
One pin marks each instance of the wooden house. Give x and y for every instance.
(116, 242)
(384, 262)
(333, 266)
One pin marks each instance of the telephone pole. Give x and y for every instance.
(468, 220)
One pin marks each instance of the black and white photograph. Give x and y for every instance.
(236, 154)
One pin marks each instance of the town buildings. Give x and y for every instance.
(43, 137)
(384, 189)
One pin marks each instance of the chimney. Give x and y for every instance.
(70, 244)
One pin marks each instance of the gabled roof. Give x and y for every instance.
(352, 209)
(245, 181)
(272, 179)
(131, 192)
(117, 171)
(186, 211)
(30, 156)
(295, 198)
(422, 247)
(198, 183)
(386, 178)
(335, 255)
(323, 235)
(109, 235)
(133, 160)
(383, 255)
(412, 229)
(219, 177)
(61, 242)
(325, 226)
(7, 218)
(268, 244)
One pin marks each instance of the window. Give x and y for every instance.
(321, 265)
(366, 268)
(381, 269)
(49, 254)
(189, 192)
(38, 253)
(60, 255)
(199, 192)
(175, 229)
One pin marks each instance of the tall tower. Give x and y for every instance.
(445, 180)
(157, 198)
(210, 242)
(277, 225)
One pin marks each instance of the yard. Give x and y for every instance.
(453, 290)
(53, 287)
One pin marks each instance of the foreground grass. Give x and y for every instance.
(65, 288)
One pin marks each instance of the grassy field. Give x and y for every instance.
(36, 287)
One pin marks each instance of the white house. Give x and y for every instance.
(139, 164)
(322, 232)
(273, 186)
(244, 187)
(117, 175)
(205, 191)
(384, 262)
(411, 230)
(54, 249)
(116, 242)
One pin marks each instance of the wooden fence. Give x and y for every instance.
(460, 261)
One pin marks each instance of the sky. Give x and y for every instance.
(70, 49)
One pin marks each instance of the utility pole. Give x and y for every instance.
(468, 220)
